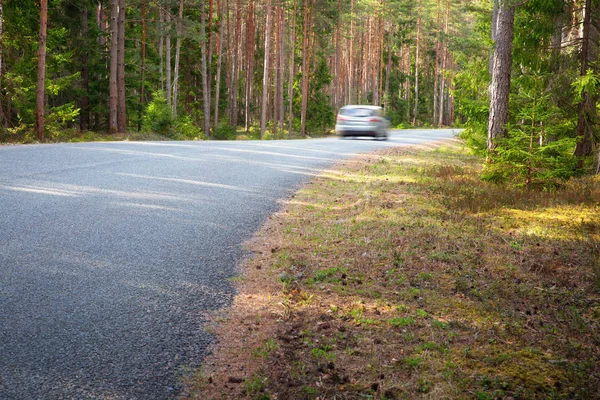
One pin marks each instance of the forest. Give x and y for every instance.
(520, 76)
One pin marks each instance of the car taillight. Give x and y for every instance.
(340, 118)
(373, 120)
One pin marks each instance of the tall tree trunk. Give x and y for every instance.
(114, 46)
(501, 72)
(219, 63)
(235, 63)
(587, 116)
(177, 57)
(41, 73)
(168, 55)
(265, 91)
(388, 71)
(143, 67)
(84, 100)
(351, 87)
(338, 58)
(444, 68)
(2, 116)
(416, 108)
(305, 63)
(250, 35)
(121, 103)
(161, 48)
(205, 88)
(280, 70)
(437, 73)
(292, 72)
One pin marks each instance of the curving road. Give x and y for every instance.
(110, 254)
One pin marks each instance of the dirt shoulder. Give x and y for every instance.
(401, 275)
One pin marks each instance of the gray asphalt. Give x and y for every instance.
(112, 253)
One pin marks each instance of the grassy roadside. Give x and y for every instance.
(401, 275)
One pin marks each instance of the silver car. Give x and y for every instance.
(355, 120)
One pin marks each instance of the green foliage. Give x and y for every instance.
(158, 117)
(533, 156)
(224, 131)
(588, 83)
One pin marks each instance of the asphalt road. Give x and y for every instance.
(111, 253)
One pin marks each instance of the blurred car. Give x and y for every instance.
(356, 120)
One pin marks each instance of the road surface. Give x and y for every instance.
(112, 253)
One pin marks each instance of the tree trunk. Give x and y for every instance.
(114, 45)
(501, 72)
(2, 116)
(168, 55)
(41, 73)
(351, 55)
(84, 100)
(235, 64)
(177, 57)
(143, 68)
(416, 109)
(121, 104)
(280, 71)
(443, 69)
(250, 35)
(587, 118)
(305, 64)
(161, 48)
(338, 58)
(205, 89)
(265, 91)
(292, 72)
(386, 91)
(219, 63)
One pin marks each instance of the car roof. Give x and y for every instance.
(362, 106)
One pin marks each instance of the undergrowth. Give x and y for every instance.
(403, 275)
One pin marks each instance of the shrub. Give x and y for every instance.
(158, 117)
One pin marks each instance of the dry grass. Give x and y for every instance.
(401, 275)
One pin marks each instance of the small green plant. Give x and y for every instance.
(413, 361)
(267, 348)
(256, 385)
(399, 322)
(325, 275)
(324, 352)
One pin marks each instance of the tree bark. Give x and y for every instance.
(501, 72)
(161, 48)
(84, 100)
(168, 55)
(250, 35)
(305, 64)
(2, 116)
(219, 63)
(292, 72)
(205, 88)
(41, 74)
(265, 91)
(143, 67)
(121, 103)
(587, 117)
(177, 57)
(416, 108)
(114, 45)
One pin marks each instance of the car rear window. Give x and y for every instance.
(357, 112)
